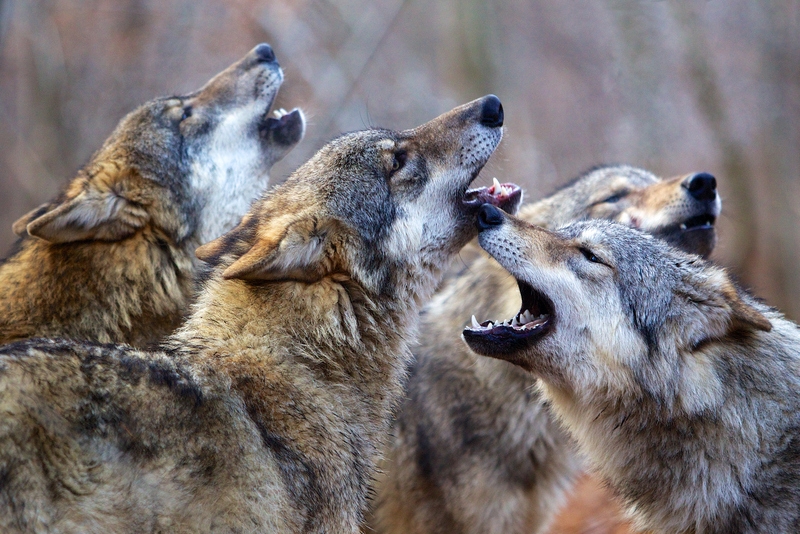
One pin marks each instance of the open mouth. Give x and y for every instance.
(698, 222)
(696, 235)
(505, 196)
(286, 127)
(534, 320)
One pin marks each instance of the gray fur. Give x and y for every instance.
(681, 389)
(475, 448)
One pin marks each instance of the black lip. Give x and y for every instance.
(287, 130)
(505, 339)
(273, 124)
(696, 239)
(698, 222)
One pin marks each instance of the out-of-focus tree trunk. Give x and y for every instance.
(735, 169)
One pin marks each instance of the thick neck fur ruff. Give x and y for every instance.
(131, 291)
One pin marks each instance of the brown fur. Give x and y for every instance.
(111, 259)
(265, 412)
(475, 448)
(590, 509)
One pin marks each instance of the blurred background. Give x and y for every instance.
(674, 86)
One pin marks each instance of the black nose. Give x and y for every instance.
(701, 186)
(265, 53)
(489, 216)
(492, 112)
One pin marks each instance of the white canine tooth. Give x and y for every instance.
(515, 321)
(475, 323)
(683, 226)
(496, 185)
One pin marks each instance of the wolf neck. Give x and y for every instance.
(328, 356)
(333, 327)
(131, 291)
(679, 470)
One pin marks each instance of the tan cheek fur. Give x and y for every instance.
(654, 206)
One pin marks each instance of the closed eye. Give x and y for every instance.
(614, 198)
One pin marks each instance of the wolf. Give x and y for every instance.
(681, 389)
(474, 448)
(111, 259)
(266, 410)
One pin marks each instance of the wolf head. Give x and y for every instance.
(681, 210)
(376, 206)
(187, 165)
(607, 308)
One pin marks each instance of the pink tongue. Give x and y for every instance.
(490, 195)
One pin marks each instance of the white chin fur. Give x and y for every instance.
(231, 174)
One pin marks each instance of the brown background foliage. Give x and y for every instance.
(674, 86)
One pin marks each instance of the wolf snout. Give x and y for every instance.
(489, 217)
(492, 112)
(264, 53)
(702, 186)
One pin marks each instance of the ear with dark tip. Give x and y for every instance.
(208, 252)
(287, 250)
(94, 211)
(743, 313)
(228, 243)
(20, 226)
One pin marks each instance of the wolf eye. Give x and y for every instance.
(187, 112)
(589, 255)
(614, 198)
(398, 161)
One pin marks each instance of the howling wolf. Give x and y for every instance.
(266, 410)
(111, 259)
(682, 390)
(475, 450)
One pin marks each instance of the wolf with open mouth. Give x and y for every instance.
(267, 410)
(111, 259)
(682, 390)
(474, 448)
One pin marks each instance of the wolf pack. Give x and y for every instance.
(374, 345)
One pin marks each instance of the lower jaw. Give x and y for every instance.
(699, 240)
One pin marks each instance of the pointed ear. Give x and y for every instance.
(718, 296)
(287, 250)
(95, 213)
(233, 242)
(745, 314)
(20, 226)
